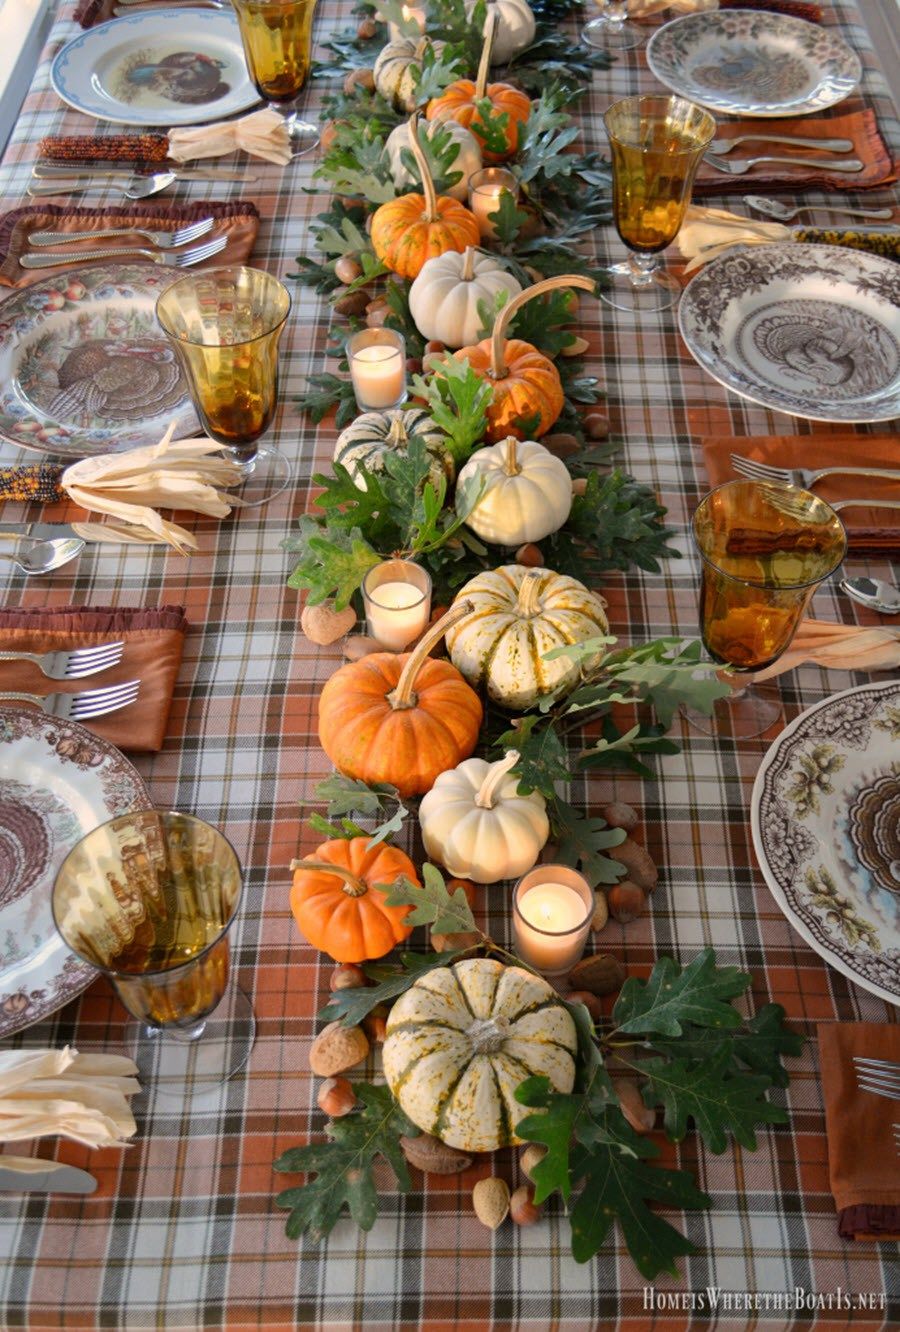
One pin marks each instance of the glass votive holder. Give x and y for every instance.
(486, 187)
(397, 597)
(411, 14)
(553, 906)
(377, 359)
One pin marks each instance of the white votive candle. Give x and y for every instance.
(486, 189)
(552, 915)
(410, 14)
(378, 368)
(397, 597)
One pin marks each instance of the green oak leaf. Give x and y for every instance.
(582, 840)
(556, 1125)
(445, 912)
(350, 1006)
(759, 1047)
(346, 795)
(543, 759)
(457, 399)
(698, 994)
(717, 1099)
(330, 565)
(507, 219)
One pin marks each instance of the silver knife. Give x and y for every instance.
(40, 172)
(55, 1177)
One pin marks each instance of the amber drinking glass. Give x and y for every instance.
(149, 899)
(656, 145)
(612, 31)
(765, 548)
(277, 38)
(225, 325)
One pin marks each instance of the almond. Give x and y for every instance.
(490, 1199)
(600, 974)
(336, 1049)
(323, 624)
(601, 911)
(433, 1156)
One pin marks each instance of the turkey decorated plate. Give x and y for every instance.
(746, 63)
(812, 330)
(174, 67)
(57, 783)
(825, 814)
(84, 366)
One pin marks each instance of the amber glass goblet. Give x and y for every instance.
(225, 325)
(656, 145)
(277, 38)
(611, 30)
(149, 899)
(765, 548)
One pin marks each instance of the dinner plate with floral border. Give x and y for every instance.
(173, 67)
(84, 366)
(746, 63)
(58, 781)
(811, 330)
(825, 815)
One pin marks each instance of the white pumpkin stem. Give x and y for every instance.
(501, 323)
(431, 209)
(404, 695)
(527, 602)
(511, 461)
(468, 267)
(488, 1035)
(487, 792)
(353, 886)
(397, 433)
(484, 64)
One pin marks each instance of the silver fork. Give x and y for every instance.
(850, 165)
(79, 707)
(179, 259)
(801, 476)
(74, 663)
(880, 1076)
(163, 240)
(827, 145)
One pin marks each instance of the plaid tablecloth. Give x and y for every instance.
(183, 1232)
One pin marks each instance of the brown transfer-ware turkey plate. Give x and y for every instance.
(84, 366)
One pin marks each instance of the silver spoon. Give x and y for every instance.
(774, 208)
(874, 593)
(41, 556)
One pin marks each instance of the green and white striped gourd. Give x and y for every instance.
(368, 440)
(394, 66)
(467, 160)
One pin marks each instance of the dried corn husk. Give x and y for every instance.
(261, 134)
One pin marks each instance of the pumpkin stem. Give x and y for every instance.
(404, 695)
(501, 323)
(353, 886)
(468, 268)
(488, 1035)
(527, 602)
(431, 209)
(484, 64)
(487, 792)
(397, 434)
(511, 462)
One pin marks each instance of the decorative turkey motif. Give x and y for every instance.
(105, 380)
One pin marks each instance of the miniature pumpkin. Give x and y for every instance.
(338, 905)
(460, 101)
(443, 300)
(400, 718)
(467, 160)
(476, 824)
(367, 440)
(416, 227)
(515, 28)
(527, 492)
(526, 387)
(463, 1038)
(396, 66)
(517, 616)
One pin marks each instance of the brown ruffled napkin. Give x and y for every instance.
(839, 647)
(154, 641)
(239, 221)
(859, 126)
(867, 529)
(862, 1165)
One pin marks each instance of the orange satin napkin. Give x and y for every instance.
(859, 126)
(154, 642)
(238, 221)
(862, 1164)
(867, 529)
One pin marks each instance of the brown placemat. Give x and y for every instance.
(238, 221)
(860, 126)
(154, 642)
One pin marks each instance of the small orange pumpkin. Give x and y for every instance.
(460, 101)
(525, 384)
(337, 903)
(400, 718)
(408, 231)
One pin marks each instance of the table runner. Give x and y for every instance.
(183, 1232)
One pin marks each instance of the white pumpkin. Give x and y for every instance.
(517, 616)
(368, 439)
(515, 28)
(393, 70)
(443, 299)
(527, 492)
(463, 1038)
(475, 823)
(467, 160)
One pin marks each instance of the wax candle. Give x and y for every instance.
(411, 14)
(551, 917)
(485, 191)
(397, 597)
(378, 368)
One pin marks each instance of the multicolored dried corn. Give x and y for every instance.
(105, 148)
(36, 481)
(886, 243)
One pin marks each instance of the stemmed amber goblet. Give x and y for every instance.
(277, 38)
(612, 29)
(765, 549)
(148, 899)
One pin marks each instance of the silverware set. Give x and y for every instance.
(774, 208)
(716, 153)
(882, 1078)
(800, 476)
(75, 664)
(168, 258)
(166, 245)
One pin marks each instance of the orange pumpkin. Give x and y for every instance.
(525, 384)
(408, 231)
(338, 905)
(403, 718)
(460, 101)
